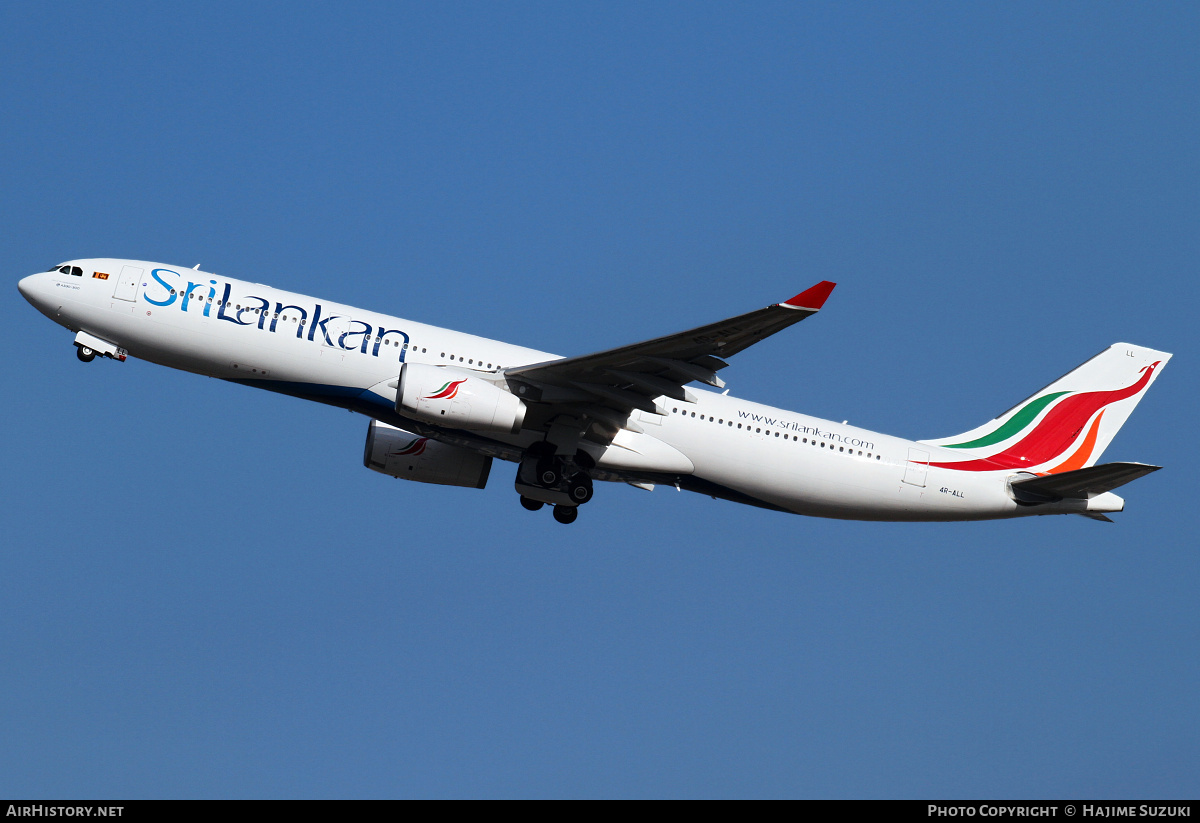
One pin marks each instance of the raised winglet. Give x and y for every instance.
(811, 299)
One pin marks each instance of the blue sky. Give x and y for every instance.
(204, 594)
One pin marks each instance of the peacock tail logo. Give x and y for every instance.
(413, 449)
(446, 392)
(1069, 412)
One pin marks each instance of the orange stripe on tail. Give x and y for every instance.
(1081, 455)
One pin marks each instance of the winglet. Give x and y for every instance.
(811, 299)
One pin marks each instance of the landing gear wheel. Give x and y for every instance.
(565, 514)
(532, 505)
(85, 354)
(581, 489)
(547, 472)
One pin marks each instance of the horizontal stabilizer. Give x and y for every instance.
(1082, 484)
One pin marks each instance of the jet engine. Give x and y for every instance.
(403, 454)
(458, 398)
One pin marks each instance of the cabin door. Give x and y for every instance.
(128, 283)
(917, 468)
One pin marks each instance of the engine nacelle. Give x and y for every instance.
(403, 454)
(446, 396)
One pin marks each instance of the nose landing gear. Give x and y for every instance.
(87, 346)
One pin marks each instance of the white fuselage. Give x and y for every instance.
(346, 356)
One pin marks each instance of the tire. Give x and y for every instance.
(565, 514)
(547, 472)
(530, 504)
(85, 354)
(581, 490)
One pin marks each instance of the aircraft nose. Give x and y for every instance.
(26, 287)
(32, 287)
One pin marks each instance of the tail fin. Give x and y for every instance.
(1065, 426)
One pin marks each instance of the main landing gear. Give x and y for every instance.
(547, 478)
(563, 514)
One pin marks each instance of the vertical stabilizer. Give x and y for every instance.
(1065, 426)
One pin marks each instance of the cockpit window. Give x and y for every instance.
(64, 269)
(77, 271)
(54, 268)
(72, 270)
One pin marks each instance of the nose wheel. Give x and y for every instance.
(85, 354)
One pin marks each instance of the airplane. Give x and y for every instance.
(443, 404)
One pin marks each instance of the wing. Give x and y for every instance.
(609, 385)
